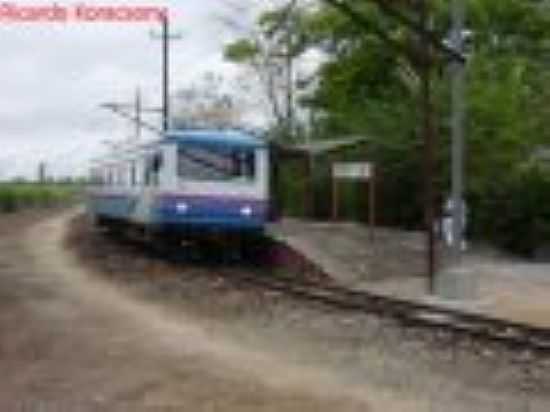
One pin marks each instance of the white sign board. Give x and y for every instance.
(352, 170)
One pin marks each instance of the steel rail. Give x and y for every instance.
(514, 335)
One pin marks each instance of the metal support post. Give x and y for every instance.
(458, 80)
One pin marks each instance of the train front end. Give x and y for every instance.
(220, 184)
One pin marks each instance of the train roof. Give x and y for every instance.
(215, 137)
(223, 138)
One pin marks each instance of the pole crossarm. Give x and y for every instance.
(128, 106)
(428, 35)
(120, 111)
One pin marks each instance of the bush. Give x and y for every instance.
(14, 197)
(8, 201)
(515, 215)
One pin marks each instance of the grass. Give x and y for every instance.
(19, 196)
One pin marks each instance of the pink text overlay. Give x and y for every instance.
(80, 12)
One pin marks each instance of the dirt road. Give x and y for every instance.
(115, 332)
(68, 341)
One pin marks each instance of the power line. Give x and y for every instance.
(120, 109)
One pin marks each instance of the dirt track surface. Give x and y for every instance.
(86, 325)
(71, 342)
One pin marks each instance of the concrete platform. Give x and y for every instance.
(392, 263)
(352, 253)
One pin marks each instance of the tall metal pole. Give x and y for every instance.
(458, 117)
(166, 74)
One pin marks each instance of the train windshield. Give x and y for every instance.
(216, 164)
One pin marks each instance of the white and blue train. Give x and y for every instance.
(190, 183)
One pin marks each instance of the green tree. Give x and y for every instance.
(365, 86)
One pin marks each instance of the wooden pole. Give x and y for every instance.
(372, 204)
(165, 74)
(138, 108)
(310, 187)
(334, 197)
(429, 144)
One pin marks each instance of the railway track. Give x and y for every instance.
(530, 341)
(513, 335)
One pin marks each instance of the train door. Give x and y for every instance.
(152, 163)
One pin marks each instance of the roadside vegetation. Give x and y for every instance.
(19, 196)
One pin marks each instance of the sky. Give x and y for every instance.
(54, 76)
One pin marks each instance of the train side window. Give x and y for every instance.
(133, 174)
(157, 166)
(145, 171)
(120, 176)
(152, 169)
(96, 177)
(125, 175)
(245, 164)
(148, 171)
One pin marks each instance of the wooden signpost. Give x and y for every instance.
(358, 171)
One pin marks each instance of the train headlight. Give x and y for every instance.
(246, 211)
(182, 207)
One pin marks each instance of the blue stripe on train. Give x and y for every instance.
(215, 212)
(194, 212)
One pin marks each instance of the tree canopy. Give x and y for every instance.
(364, 85)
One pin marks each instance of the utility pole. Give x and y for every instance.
(42, 177)
(423, 57)
(458, 117)
(285, 23)
(289, 74)
(166, 74)
(138, 108)
(426, 62)
(166, 37)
